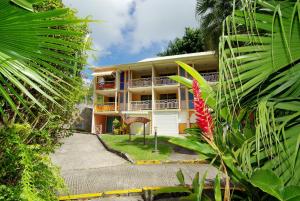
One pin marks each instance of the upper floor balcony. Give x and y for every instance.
(164, 80)
(211, 77)
(141, 105)
(105, 85)
(106, 107)
(147, 82)
(166, 104)
(140, 82)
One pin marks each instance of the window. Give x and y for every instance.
(146, 76)
(182, 93)
(167, 96)
(191, 101)
(122, 81)
(121, 97)
(146, 97)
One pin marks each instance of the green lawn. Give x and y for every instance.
(136, 149)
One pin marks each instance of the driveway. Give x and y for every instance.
(88, 167)
(84, 152)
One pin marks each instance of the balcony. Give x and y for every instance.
(106, 85)
(164, 80)
(141, 82)
(167, 104)
(106, 107)
(211, 77)
(141, 105)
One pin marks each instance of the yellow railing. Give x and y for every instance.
(105, 107)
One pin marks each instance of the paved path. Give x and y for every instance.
(83, 151)
(88, 168)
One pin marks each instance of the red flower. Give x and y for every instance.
(204, 119)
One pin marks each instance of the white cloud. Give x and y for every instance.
(152, 22)
(113, 13)
(158, 21)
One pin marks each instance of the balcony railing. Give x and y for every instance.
(109, 106)
(106, 85)
(164, 80)
(167, 104)
(211, 77)
(141, 82)
(141, 105)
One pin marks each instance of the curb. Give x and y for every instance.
(156, 162)
(126, 192)
(131, 192)
(119, 153)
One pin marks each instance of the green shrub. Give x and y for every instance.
(116, 125)
(26, 171)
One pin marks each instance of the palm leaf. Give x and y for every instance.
(259, 69)
(35, 55)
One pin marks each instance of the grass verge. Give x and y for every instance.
(136, 149)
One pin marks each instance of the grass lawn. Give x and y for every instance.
(136, 149)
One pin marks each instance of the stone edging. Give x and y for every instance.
(126, 192)
(119, 153)
(151, 162)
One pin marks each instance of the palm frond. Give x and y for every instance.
(35, 54)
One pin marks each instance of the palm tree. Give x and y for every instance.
(211, 14)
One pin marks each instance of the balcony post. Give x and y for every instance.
(129, 100)
(153, 91)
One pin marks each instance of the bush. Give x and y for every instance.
(116, 126)
(26, 171)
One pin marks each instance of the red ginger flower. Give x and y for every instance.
(204, 119)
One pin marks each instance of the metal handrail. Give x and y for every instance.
(141, 105)
(211, 77)
(164, 80)
(140, 82)
(167, 104)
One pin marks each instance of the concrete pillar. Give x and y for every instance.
(93, 129)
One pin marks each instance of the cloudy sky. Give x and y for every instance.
(132, 30)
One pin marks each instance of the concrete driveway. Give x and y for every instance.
(88, 167)
(83, 152)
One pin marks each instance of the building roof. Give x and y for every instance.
(180, 56)
(157, 60)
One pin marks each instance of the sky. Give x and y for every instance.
(132, 30)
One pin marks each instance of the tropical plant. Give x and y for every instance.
(116, 126)
(256, 101)
(42, 51)
(192, 41)
(35, 58)
(201, 189)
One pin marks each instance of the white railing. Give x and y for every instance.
(164, 80)
(167, 104)
(211, 77)
(141, 82)
(141, 105)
